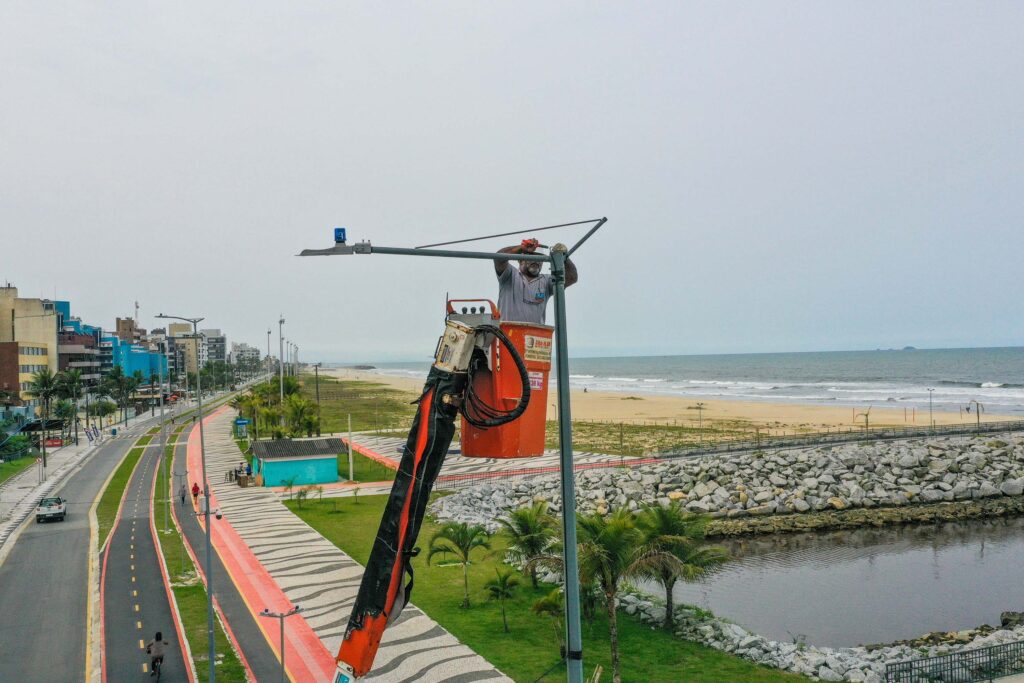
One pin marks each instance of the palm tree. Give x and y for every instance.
(44, 388)
(65, 411)
(675, 531)
(461, 540)
(551, 605)
(502, 588)
(531, 531)
(300, 414)
(69, 386)
(611, 550)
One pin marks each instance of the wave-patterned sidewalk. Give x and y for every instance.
(315, 574)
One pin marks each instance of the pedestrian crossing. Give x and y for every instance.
(324, 581)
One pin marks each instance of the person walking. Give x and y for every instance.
(195, 494)
(183, 493)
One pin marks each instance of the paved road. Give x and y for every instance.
(262, 660)
(135, 600)
(43, 583)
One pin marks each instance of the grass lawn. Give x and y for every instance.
(372, 406)
(106, 511)
(618, 438)
(648, 655)
(144, 440)
(367, 469)
(13, 467)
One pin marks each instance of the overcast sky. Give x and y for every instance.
(778, 176)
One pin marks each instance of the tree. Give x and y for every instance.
(552, 606)
(300, 415)
(679, 533)
(502, 588)
(69, 386)
(611, 549)
(531, 531)
(461, 540)
(44, 388)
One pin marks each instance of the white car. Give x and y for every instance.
(51, 508)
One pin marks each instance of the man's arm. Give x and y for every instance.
(500, 266)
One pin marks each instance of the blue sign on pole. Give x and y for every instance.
(339, 235)
(241, 421)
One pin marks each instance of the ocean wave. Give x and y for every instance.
(581, 377)
(992, 385)
(653, 381)
(622, 379)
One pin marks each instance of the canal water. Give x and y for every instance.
(865, 586)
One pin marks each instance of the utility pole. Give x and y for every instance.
(700, 422)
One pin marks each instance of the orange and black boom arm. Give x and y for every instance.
(388, 579)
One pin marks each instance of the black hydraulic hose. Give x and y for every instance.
(491, 416)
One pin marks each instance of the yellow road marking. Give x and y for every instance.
(138, 625)
(142, 645)
(132, 567)
(145, 667)
(133, 579)
(136, 608)
(135, 594)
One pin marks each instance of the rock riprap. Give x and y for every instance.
(740, 486)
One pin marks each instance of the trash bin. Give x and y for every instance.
(113, 432)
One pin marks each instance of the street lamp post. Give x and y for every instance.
(281, 616)
(206, 493)
(931, 419)
(700, 422)
(268, 351)
(280, 341)
(316, 374)
(557, 259)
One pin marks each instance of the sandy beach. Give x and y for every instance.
(638, 408)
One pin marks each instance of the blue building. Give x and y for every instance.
(300, 463)
(132, 357)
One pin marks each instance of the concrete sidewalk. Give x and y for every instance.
(285, 562)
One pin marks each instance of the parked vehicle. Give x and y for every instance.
(52, 508)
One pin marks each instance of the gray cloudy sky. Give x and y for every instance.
(777, 175)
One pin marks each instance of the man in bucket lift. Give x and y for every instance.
(523, 292)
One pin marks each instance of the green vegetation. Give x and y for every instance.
(12, 467)
(373, 406)
(528, 650)
(110, 501)
(622, 438)
(367, 469)
(144, 440)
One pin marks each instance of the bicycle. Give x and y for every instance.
(157, 664)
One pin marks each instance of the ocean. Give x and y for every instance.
(994, 377)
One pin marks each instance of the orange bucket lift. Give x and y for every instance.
(499, 385)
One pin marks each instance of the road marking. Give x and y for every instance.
(132, 567)
(133, 579)
(142, 645)
(138, 625)
(145, 667)
(135, 594)
(136, 607)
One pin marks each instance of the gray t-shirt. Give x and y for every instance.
(523, 300)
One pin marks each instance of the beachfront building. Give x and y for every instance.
(216, 344)
(31, 325)
(299, 462)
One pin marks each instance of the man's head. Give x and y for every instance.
(530, 268)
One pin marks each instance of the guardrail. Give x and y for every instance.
(826, 438)
(966, 666)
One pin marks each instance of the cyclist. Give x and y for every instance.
(155, 649)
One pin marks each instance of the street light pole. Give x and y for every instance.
(280, 340)
(931, 419)
(281, 616)
(206, 494)
(557, 259)
(316, 374)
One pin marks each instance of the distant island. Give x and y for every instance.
(909, 348)
(362, 367)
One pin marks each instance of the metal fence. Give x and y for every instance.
(966, 666)
(826, 438)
